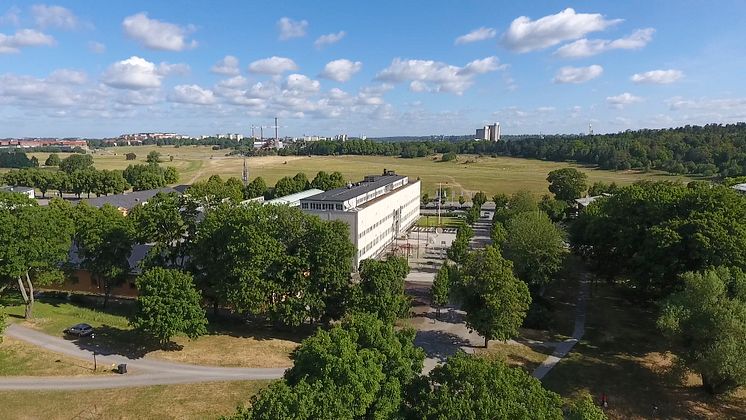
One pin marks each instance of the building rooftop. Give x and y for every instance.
(128, 200)
(293, 198)
(16, 189)
(370, 183)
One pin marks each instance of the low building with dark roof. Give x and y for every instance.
(125, 202)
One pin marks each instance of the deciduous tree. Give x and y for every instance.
(708, 318)
(494, 300)
(567, 184)
(168, 305)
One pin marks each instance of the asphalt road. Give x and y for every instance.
(142, 372)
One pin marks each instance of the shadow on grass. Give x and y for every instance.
(439, 345)
(132, 344)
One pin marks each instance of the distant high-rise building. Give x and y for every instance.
(489, 132)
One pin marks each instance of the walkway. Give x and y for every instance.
(145, 372)
(564, 347)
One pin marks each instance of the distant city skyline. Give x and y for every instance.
(76, 69)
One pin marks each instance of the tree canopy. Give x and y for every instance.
(567, 184)
(168, 305)
(474, 388)
(494, 300)
(708, 317)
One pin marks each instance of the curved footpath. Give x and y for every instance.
(146, 372)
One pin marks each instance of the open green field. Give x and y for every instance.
(623, 355)
(226, 344)
(466, 174)
(445, 221)
(194, 401)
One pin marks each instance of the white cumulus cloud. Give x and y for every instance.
(578, 74)
(192, 94)
(54, 17)
(156, 34)
(301, 83)
(137, 73)
(436, 76)
(290, 28)
(341, 70)
(479, 34)
(589, 47)
(273, 65)
(68, 76)
(329, 39)
(660, 77)
(622, 100)
(24, 38)
(526, 35)
(228, 66)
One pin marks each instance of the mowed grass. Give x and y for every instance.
(227, 343)
(465, 175)
(195, 401)
(18, 358)
(623, 355)
(516, 354)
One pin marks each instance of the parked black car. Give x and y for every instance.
(80, 330)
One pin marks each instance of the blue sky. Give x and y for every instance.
(75, 68)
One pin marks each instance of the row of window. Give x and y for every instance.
(321, 206)
(375, 225)
(385, 234)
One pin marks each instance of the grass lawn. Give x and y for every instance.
(432, 221)
(195, 401)
(516, 353)
(464, 175)
(18, 358)
(623, 355)
(227, 344)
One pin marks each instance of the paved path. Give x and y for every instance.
(143, 371)
(564, 347)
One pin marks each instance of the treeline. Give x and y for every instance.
(215, 189)
(707, 150)
(77, 175)
(683, 247)
(14, 159)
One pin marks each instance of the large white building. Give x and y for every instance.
(377, 209)
(489, 132)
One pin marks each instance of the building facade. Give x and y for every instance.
(377, 209)
(489, 132)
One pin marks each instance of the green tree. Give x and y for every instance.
(500, 200)
(708, 318)
(356, 370)
(76, 162)
(53, 160)
(440, 290)
(494, 300)
(600, 187)
(169, 222)
(130, 156)
(447, 157)
(554, 208)
(460, 246)
(215, 190)
(168, 305)
(256, 188)
(154, 157)
(479, 199)
(33, 242)
(325, 181)
(461, 200)
(474, 388)
(104, 239)
(381, 288)
(425, 199)
(567, 184)
(536, 247)
(583, 408)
